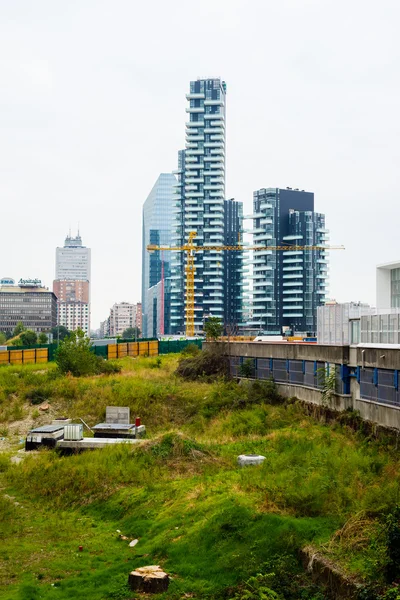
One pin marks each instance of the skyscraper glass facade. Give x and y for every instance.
(287, 285)
(233, 286)
(158, 223)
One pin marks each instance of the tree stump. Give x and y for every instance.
(152, 580)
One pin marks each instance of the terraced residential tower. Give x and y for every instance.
(200, 196)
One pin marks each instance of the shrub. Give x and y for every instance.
(154, 364)
(191, 350)
(255, 589)
(246, 369)
(28, 338)
(108, 367)
(263, 391)
(38, 395)
(393, 545)
(173, 445)
(75, 356)
(209, 363)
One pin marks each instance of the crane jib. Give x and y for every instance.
(190, 270)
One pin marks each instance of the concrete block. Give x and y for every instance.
(250, 459)
(118, 414)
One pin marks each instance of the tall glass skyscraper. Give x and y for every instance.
(287, 285)
(200, 207)
(158, 223)
(233, 267)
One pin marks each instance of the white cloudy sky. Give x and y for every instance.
(92, 109)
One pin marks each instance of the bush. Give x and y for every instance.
(393, 545)
(154, 364)
(38, 395)
(263, 391)
(255, 589)
(208, 363)
(43, 339)
(191, 350)
(246, 369)
(108, 367)
(75, 356)
(28, 338)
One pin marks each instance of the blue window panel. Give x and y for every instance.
(263, 363)
(387, 395)
(368, 389)
(319, 377)
(234, 363)
(264, 374)
(296, 374)
(280, 371)
(309, 377)
(296, 365)
(386, 388)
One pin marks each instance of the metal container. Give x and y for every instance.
(46, 435)
(73, 432)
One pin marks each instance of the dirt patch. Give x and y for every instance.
(14, 432)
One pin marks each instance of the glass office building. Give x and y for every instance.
(30, 304)
(287, 285)
(158, 222)
(200, 205)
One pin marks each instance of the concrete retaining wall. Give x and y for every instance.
(357, 365)
(307, 394)
(332, 354)
(380, 414)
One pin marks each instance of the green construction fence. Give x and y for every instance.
(169, 346)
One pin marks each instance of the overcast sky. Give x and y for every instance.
(92, 109)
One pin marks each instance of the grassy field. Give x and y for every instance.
(211, 525)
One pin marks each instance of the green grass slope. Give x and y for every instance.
(208, 523)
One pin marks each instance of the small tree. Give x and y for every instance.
(28, 338)
(327, 380)
(74, 355)
(246, 369)
(3, 338)
(43, 339)
(59, 333)
(213, 328)
(19, 328)
(131, 332)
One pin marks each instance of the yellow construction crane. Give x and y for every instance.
(190, 248)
